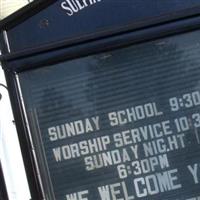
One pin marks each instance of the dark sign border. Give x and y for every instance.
(35, 7)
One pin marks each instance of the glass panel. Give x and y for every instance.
(120, 125)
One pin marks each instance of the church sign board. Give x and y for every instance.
(106, 97)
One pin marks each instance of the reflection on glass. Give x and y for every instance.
(123, 124)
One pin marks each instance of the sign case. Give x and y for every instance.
(120, 125)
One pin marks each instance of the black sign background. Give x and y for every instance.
(113, 81)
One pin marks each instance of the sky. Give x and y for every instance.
(10, 153)
(9, 6)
